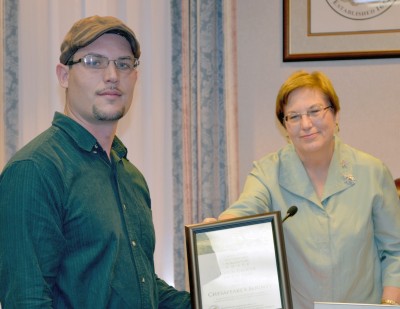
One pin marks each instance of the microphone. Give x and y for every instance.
(290, 213)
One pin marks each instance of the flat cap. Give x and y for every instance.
(88, 29)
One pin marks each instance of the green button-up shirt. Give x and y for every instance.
(76, 228)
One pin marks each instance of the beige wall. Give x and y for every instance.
(369, 91)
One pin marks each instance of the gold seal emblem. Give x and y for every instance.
(360, 9)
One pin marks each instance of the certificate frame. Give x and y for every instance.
(196, 232)
(353, 41)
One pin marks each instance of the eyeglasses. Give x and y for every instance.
(315, 113)
(101, 62)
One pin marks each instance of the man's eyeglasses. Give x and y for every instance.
(315, 113)
(102, 62)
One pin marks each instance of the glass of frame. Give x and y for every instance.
(238, 263)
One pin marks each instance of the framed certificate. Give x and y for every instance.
(238, 263)
(336, 30)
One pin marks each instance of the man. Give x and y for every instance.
(76, 226)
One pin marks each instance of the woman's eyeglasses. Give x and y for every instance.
(315, 113)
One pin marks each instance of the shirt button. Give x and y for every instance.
(133, 243)
(143, 280)
(124, 206)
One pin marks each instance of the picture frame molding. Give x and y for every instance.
(298, 45)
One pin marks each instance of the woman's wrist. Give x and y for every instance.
(385, 301)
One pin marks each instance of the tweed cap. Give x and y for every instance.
(88, 29)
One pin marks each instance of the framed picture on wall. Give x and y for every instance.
(238, 263)
(340, 29)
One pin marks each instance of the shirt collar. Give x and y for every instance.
(294, 178)
(82, 137)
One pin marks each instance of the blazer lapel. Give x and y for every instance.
(294, 178)
(340, 175)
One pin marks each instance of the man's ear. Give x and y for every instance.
(62, 72)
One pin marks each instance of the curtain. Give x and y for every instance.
(204, 115)
(9, 79)
(2, 118)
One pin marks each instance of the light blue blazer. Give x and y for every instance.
(344, 247)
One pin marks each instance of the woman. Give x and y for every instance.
(343, 245)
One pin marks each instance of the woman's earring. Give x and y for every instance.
(337, 128)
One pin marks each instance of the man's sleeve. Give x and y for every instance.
(170, 298)
(30, 236)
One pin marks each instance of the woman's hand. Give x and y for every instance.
(391, 295)
(209, 220)
(220, 218)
